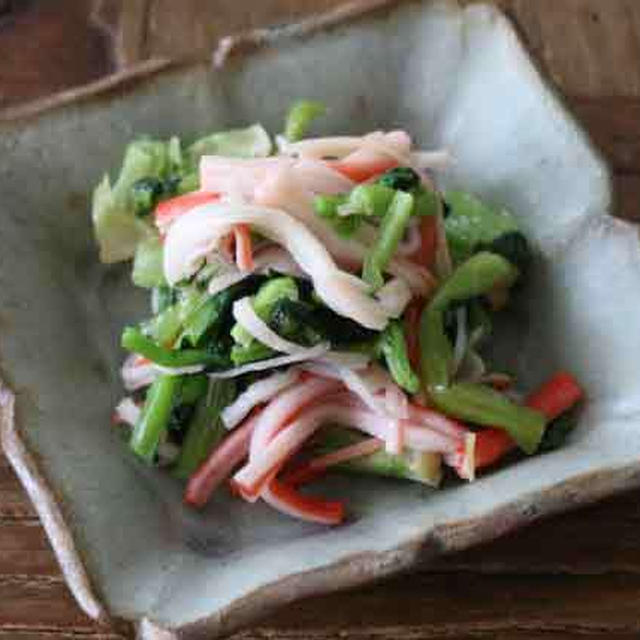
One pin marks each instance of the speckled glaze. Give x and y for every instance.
(459, 78)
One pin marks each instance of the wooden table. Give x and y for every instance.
(575, 576)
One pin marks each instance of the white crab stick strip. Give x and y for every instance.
(136, 372)
(284, 406)
(250, 321)
(394, 143)
(199, 232)
(255, 394)
(127, 412)
(268, 459)
(279, 190)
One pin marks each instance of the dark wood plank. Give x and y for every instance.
(614, 125)
(25, 550)
(13, 501)
(586, 46)
(58, 634)
(39, 602)
(46, 47)
(464, 605)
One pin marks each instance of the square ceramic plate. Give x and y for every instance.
(454, 77)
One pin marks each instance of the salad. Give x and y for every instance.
(317, 304)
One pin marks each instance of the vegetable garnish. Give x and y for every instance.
(317, 305)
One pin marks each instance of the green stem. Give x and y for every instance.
(205, 430)
(484, 406)
(394, 349)
(300, 117)
(411, 465)
(154, 420)
(394, 224)
(134, 340)
(473, 402)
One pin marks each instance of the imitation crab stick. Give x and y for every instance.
(553, 398)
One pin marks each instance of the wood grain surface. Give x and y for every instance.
(575, 576)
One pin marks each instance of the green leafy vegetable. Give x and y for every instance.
(406, 179)
(162, 297)
(426, 202)
(147, 263)
(193, 388)
(300, 116)
(135, 341)
(269, 294)
(328, 208)
(250, 142)
(473, 226)
(482, 405)
(475, 277)
(254, 350)
(154, 419)
(196, 316)
(416, 466)
(117, 228)
(310, 323)
(558, 431)
(401, 179)
(514, 247)
(205, 429)
(145, 194)
(393, 227)
(476, 403)
(153, 170)
(369, 200)
(393, 346)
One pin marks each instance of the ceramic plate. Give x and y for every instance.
(454, 77)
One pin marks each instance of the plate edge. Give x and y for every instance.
(43, 497)
(359, 569)
(351, 571)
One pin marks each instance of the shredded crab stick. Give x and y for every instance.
(437, 421)
(252, 477)
(280, 190)
(244, 252)
(397, 406)
(137, 372)
(126, 412)
(412, 316)
(319, 177)
(393, 143)
(225, 280)
(220, 463)
(557, 395)
(285, 406)
(285, 498)
(241, 176)
(167, 211)
(271, 363)
(411, 245)
(377, 153)
(394, 296)
(248, 319)
(275, 258)
(257, 393)
(238, 176)
(198, 233)
(268, 259)
(461, 457)
(425, 254)
(312, 469)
